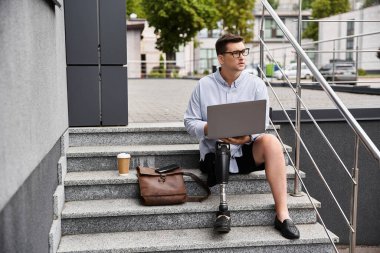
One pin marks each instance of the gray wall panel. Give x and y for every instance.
(81, 32)
(83, 95)
(114, 95)
(112, 32)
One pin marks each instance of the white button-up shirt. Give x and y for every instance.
(213, 90)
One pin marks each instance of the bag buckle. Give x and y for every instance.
(162, 178)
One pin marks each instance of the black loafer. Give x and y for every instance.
(223, 222)
(287, 228)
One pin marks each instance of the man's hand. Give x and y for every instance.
(237, 140)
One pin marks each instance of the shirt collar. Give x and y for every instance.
(221, 80)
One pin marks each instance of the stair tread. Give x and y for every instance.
(190, 239)
(136, 127)
(121, 207)
(112, 176)
(132, 127)
(88, 151)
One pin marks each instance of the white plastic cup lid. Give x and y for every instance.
(123, 155)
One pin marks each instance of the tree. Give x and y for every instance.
(134, 6)
(236, 17)
(176, 22)
(322, 9)
(274, 3)
(306, 4)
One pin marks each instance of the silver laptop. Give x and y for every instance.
(236, 119)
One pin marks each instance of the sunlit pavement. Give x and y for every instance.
(165, 100)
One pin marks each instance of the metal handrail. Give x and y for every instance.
(360, 135)
(341, 20)
(310, 115)
(309, 154)
(304, 187)
(330, 92)
(322, 41)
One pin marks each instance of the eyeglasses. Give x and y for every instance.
(236, 54)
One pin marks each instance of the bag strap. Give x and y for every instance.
(199, 182)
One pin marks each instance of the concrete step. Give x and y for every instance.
(104, 157)
(91, 185)
(261, 239)
(120, 215)
(133, 134)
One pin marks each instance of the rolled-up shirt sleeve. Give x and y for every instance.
(193, 120)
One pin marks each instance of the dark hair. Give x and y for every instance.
(221, 43)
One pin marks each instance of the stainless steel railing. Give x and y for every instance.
(360, 135)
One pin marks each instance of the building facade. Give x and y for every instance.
(332, 30)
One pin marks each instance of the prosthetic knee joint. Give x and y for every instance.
(222, 164)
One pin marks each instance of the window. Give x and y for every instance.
(207, 59)
(350, 41)
(272, 31)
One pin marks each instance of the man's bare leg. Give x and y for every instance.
(268, 149)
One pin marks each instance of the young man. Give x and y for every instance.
(230, 84)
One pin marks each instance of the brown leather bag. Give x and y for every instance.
(166, 188)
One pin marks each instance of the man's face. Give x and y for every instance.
(228, 61)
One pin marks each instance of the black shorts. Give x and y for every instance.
(246, 164)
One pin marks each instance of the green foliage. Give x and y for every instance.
(161, 67)
(274, 3)
(156, 74)
(134, 6)
(369, 3)
(237, 17)
(177, 21)
(206, 72)
(306, 4)
(322, 9)
(362, 72)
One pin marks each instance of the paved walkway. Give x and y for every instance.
(165, 100)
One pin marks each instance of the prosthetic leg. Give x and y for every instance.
(222, 164)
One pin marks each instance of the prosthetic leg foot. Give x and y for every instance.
(223, 222)
(222, 162)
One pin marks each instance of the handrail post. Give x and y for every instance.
(296, 192)
(354, 197)
(333, 68)
(357, 58)
(262, 44)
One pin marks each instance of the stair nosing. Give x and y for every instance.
(90, 151)
(105, 151)
(201, 238)
(133, 207)
(83, 178)
(136, 127)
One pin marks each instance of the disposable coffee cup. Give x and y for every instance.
(123, 160)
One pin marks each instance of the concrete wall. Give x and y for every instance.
(33, 117)
(26, 220)
(342, 138)
(134, 56)
(33, 111)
